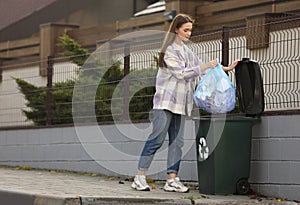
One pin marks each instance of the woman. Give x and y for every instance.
(173, 100)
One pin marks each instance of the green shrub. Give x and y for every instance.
(36, 101)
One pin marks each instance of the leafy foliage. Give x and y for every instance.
(36, 100)
(77, 54)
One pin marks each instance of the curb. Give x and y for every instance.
(10, 197)
(236, 202)
(133, 201)
(51, 200)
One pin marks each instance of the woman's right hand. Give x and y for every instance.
(213, 63)
(208, 65)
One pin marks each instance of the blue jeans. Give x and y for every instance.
(164, 122)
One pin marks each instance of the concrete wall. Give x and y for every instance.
(114, 150)
(275, 165)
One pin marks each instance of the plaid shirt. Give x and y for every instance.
(175, 84)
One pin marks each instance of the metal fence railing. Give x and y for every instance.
(125, 90)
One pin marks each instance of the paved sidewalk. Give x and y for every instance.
(43, 187)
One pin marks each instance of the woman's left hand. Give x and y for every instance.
(230, 67)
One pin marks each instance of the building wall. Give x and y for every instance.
(83, 13)
(95, 13)
(114, 150)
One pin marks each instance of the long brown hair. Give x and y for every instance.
(177, 22)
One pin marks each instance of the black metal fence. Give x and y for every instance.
(125, 90)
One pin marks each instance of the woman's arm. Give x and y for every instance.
(210, 64)
(230, 67)
(214, 63)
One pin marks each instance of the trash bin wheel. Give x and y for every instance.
(242, 187)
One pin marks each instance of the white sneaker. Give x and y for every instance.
(175, 185)
(140, 183)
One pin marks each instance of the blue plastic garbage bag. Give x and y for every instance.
(215, 92)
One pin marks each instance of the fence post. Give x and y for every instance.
(49, 39)
(49, 90)
(225, 46)
(126, 86)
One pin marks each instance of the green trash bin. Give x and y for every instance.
(223, 154)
